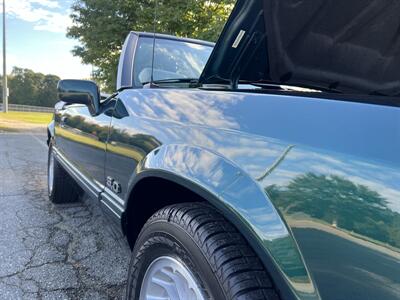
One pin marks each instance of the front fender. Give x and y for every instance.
(242, 201)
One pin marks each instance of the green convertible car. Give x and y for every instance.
(266, 166)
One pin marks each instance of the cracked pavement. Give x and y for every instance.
(52, 251)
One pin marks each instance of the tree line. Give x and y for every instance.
(31, 88)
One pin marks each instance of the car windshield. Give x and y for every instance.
(173, 59)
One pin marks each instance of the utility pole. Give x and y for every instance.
(5, 89)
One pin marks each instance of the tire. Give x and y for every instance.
(61, 187)
(215, 254)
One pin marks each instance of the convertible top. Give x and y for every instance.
(350, 47)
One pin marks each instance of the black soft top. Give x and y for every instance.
(347, 46)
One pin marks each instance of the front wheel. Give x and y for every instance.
(189, 251)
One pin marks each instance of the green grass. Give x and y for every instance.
(7, 129)
(26, 117)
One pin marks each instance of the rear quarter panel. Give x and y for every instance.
(331, 169)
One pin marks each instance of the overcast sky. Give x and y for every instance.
(36, 38)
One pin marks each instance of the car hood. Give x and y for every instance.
(339, 45)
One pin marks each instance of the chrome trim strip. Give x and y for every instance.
(112, 202)
(109, 208)
(112, 195)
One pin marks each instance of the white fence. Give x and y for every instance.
(27, 108)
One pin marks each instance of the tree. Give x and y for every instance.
(102, 25)
(30, 88)
(24, 86)
(47, 95)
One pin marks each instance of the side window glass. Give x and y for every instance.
(173, 59)
(143, 61)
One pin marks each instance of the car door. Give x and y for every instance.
(125, 148)
(81, 138)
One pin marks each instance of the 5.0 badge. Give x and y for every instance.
(113, 185)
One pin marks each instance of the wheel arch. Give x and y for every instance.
(197, 174)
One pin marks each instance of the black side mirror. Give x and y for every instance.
(81, 92)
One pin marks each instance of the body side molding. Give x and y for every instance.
(112, 203)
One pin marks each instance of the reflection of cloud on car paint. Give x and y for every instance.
(197, 163)
(177, 107)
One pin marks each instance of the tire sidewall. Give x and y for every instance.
(50, 153)
(162, 238)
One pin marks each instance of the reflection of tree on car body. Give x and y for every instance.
(340, 203)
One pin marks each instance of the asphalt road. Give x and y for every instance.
(51, 251)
